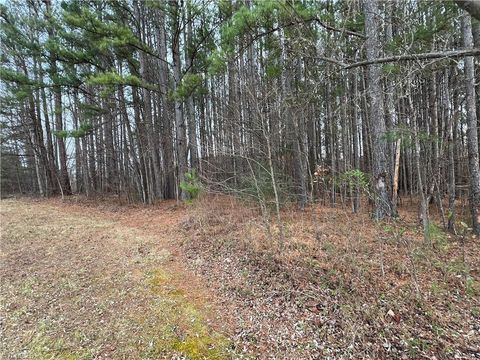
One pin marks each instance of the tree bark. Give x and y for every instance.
(380, 168)
(472, 132)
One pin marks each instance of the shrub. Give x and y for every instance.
(191, 184)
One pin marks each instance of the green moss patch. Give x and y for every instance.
(179, 326)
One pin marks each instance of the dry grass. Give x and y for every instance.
(79, 285)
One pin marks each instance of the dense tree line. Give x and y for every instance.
(273, 99)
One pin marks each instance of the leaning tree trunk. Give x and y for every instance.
(380, 168)
(472, 135)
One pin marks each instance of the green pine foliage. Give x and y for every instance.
(110, 80)
(191, 184)
(190, 84)
(83, 130)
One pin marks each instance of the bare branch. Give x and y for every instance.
(333, 61)
(331, 28)
(422, 56)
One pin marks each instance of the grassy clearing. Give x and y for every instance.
(78, 286)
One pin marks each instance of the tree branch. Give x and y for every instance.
(304, 21)
(333, 61)
(433, 55)
(331, 28)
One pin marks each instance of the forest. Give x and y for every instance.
(360, 112)
(136, 98)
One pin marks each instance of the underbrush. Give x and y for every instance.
(340, 285)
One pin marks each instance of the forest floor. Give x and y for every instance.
(79, 283)
(214, 280)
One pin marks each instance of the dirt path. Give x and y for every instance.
(80, 284)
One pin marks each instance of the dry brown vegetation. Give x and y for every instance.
(341, 286)
(79, 284)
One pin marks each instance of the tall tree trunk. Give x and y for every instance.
(418, 167)
(391, 118)
(148, 117)
(472, 132)
(192, 119)
(166, 121)
(57, 96)
(450, 120)
(180, 126)
(356, 138)
(79, 186)
(47, 161)
(380, 168)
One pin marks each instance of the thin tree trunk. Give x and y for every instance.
(450, 120)
(396, 172)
